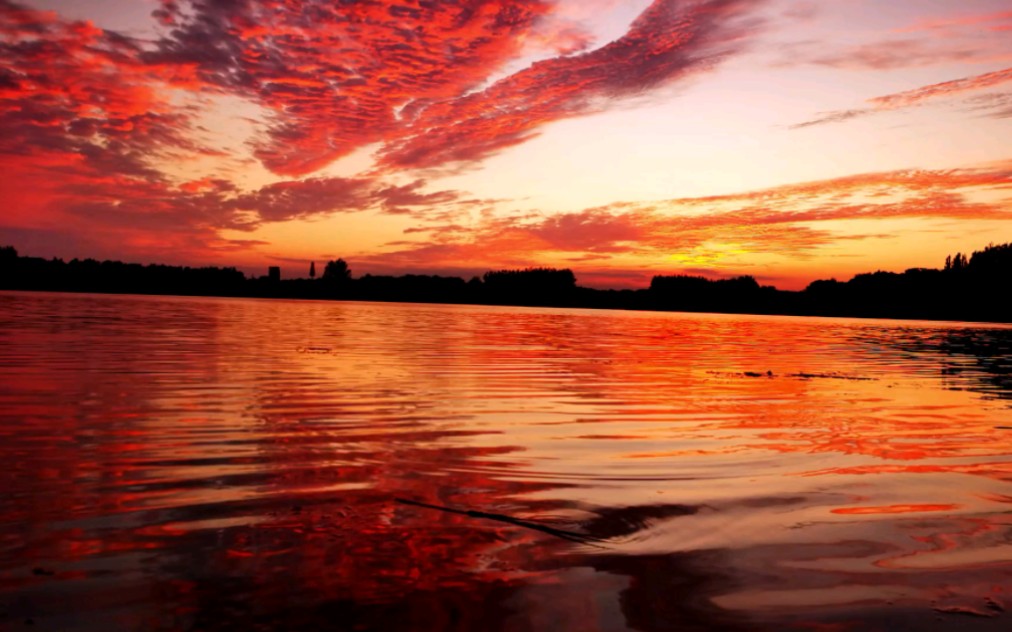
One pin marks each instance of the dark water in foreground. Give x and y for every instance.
(213, 464)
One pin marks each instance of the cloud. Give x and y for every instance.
(876, 184)
(933, 41)
(152, 218)
(337, 76)
(83, 122)
(398, 199)
(791, 221)
(564, 38)
(993, 105)
(836, 116)
(910, 98)
(892, 54)
(341, 76)
(667, 41)
(71, 88)
(943, 89)
(802, 11)
(89, 115)
(997, 21)
(589, 232)
(959, 39)
(181, 248)
(216, 204)
(298, 199)
(301, 199)
(92, 117)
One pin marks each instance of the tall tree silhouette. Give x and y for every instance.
(337, 272)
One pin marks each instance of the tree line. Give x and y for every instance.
(965, 288)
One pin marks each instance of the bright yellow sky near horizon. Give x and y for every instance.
(785, 139)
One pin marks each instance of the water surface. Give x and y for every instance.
(215, 464)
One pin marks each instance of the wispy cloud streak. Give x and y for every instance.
(917, 96)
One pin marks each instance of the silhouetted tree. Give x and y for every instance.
(530, 278)
(337, 272)
(312, 269)
(992, 259)
(696, 293)
(8, 262)
(410, 287)
(531, 286)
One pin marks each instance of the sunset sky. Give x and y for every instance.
(786, 139)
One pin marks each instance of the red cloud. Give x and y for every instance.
(336, 75)
(70, 87)
(397, 197)
(788, 220)
(667, 41)
(294, 199)
(130, 216)
(590, 232)
(87, 113)
(82, 119)
(85, 110)
(342, 76)
(91, 107)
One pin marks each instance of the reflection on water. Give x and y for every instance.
(213, 464)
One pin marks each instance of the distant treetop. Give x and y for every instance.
(337, 271)
(530, 279)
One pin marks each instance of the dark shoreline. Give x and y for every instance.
(475, 304)
(970, 290)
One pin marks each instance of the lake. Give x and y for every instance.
(215, 464)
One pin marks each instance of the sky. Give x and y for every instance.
(790, 140)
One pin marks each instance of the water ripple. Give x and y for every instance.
(177, 463)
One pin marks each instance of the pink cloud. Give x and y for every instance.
(994, 104)
(944, 40)
(1000, 20)
(892, 54)
(943, 89)
(917, 96)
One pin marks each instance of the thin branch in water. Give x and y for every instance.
(572, 536)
